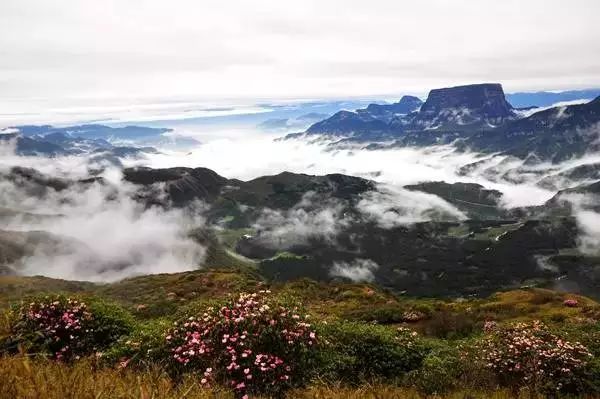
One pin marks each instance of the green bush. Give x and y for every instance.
(353, 352)
(65, 328)
(144, 347)
(440, 371)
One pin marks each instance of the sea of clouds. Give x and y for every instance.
(117, 237)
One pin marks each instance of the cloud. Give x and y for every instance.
(585, 209)
(312, 218)
(589, 239)
(392, 207)
(71, 51)
(359, 270)
(97, 232)
(318, 217)
(255, 154)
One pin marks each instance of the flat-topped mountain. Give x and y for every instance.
(486, 98)
(458, 108)
(475, 117)
(464, 105)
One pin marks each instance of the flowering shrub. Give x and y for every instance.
(65, 328)
(251, 344)
(528, 354)
(572, 303)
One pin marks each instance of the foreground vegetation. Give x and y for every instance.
(194, 335)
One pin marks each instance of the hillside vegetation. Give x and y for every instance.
(369, 343)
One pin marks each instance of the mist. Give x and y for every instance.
(97, 231)
(255, 154)
(106, 235)
(359, 270)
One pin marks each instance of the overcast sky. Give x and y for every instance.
(125, 49)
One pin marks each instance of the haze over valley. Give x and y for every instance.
(485, 195)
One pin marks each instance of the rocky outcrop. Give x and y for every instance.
(460, 107)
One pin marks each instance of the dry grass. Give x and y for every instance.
(22, 377)
(388, 392)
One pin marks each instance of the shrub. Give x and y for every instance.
(144, 347)
(451, 325)
(353, 352)
(528, 354)
(571, 303)
(65, 328)
(254, 344)
(440, 371)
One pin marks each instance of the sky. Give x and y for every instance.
(68, 52)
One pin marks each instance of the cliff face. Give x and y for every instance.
(485, 99)
(462, 106)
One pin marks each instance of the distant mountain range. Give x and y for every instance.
(548, 98)
(108, 142)
(476, 117)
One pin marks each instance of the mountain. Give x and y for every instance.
(344, 123)
(372, 120)
(460, 107)
(547, 98)
(282, 191)
(94, 131)
(296, 225)
(473, 199)
(80, 139)
(15, 245)
(474, 117)
(554, 134)
(31, 147)
(59, 143)
(386, 112)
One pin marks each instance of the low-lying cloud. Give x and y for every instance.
(309, 219)
(96, 230)
(391, 207)
(359, 270)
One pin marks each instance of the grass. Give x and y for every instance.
(13, 288)
(160, 297)
(230, 237)
(23, 377)
(163, 294)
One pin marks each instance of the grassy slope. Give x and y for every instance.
(162, 294)
(165, 294)
(25, 378)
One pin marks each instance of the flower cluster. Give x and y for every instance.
(406, 337)
(489, 326)
(58, 324)
(251, 344)
(572, 303)
(413, 316)
(528, 354)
